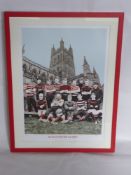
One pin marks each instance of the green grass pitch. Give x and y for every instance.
(34, 126)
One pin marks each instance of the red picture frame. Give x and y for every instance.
(113, 15)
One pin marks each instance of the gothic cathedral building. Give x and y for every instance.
(61, 65)
(62, 61)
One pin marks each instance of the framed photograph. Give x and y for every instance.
(63, 73)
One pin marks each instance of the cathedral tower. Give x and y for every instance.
(96, 76)
(62, 61)
(86, 67)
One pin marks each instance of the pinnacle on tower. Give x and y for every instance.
(94, 71)
(86, 67)
(85, 61)
(53, 46)
(23, 49)
(70, 48)
(62, 44)
(96, 74)
(52, 50)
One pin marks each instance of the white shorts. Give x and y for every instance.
(41, 112)
(94, 111)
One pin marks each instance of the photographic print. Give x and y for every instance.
(63, 92)
(65, 85)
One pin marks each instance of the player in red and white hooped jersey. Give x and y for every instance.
(93, 109)
(70, 107)
(39, 88)
(81, 107)
(50, 92)
(64, 89)
(57, 84)
(74, 90)
(98, 93)
(86, 90)
(30, 93)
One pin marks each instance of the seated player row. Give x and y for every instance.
(68, 111)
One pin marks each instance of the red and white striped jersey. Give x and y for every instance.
(81, 104)
(29, 90)
(74, 89)
(64, 89)
(49, 88)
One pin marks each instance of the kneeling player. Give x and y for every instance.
(42, 107)
(59, 117)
